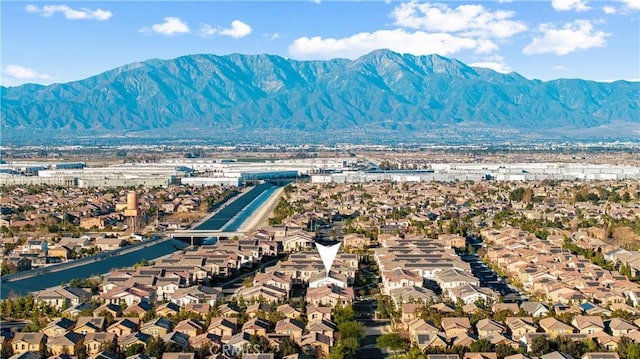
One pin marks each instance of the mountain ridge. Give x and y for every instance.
(379, 94)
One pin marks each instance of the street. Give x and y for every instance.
(373, 328)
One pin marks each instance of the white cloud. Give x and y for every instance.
(495, 63)
(559, 68)
(24, 73)
(578, 35)
(237, 30)
(486, 46)
(416, 43)
(626, 7)
(632, 4)
(171, 26)
(207, 30)
(436, 28)
(495, 66)
(69, 13)
(271, 37)
(567, 5)
(470, 20)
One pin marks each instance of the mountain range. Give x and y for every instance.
(381, 95)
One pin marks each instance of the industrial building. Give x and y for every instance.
(201, 172)
(488, 171)
(234, 178)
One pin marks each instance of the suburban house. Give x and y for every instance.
(619, 327)
(329, 295)
(85, 325)
(157, 327)
(320, 279)
(487, 327)
(400, 278)
(32, 342)
(291, 327)
(554, 327)
(222, 327)
(588, 324)
(534, 309)
(94, 342)
(190, 327)
(256, 326)
(318, 313)
(130, 294)
(274, 279)
(519, 326)
(68, 343)
(456, 326)
(124, 326)
(62, 297)
(58, 326)
(289, 311)
(108, 244)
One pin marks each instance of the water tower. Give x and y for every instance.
(132, 212)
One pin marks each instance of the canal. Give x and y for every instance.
(51, 279)
(233, 214)
(229, 218)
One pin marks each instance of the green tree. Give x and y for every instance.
(7, 351)
(482, 346)
(589, 345)
(4, 268)
(633, 351)
(569, 346)
(391, 341)
(623, 347)
(134, 349)
(414, 353)
(149, 315)
(350, 346)
(112, 347)
(351, 329)
(260, 342)
(343, 314)
(203, 352)
(172, 347)
(8, 309)
(288, 347)
(540, 346)
(155, 347)
(337, 352)
(504, 350)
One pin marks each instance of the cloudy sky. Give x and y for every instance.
(48, 42)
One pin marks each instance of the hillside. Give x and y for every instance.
(378, 96)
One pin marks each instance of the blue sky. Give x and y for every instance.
(49, 42)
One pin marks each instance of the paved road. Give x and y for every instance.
(373, 328)
(489, 278)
